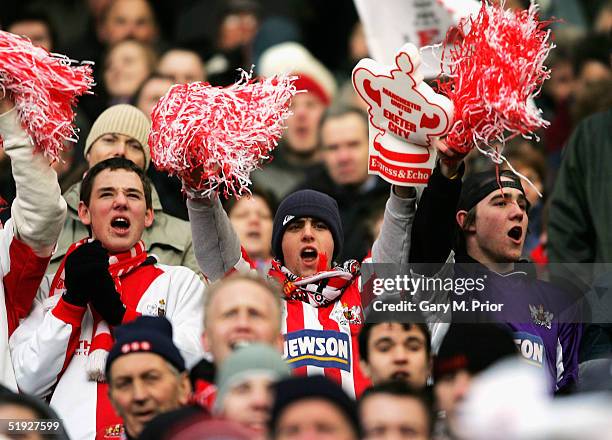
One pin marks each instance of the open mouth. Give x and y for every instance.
(309, 254)
(145, 415)
(302, 131)
(254, 234)
(120, 223)
(239, 344)
(400, 375)
(516, 233)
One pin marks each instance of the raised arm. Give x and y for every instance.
(393, 243)
(433, 231)
(216, 244)
(38, 211)
(38, 214)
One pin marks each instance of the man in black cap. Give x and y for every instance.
(322, 308)
(315, 408)
(467, 349)
(482, 224)
(146, 374)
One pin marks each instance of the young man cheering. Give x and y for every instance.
(60, 350)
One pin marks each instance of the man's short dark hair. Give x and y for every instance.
(112, 164)
(364, 334)
(399, 388)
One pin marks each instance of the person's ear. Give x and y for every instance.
(184, 389)
(84, 214)
(205, 341)
(280, 342)
(460, 218)
(149, 217)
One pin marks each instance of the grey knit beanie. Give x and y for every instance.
(252, 360)
(122, 119)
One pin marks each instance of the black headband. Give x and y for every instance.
(478, 186)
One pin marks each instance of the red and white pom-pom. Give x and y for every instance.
(496, 68)
(44, 88)
(214, 137)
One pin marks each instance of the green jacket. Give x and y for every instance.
(169, 238)
(580, 218)
(579, 226)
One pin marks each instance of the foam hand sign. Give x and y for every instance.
(405, 116)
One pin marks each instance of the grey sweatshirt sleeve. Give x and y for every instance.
(393, 243)
(216, 244)
(39, 209)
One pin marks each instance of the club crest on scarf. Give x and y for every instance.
(344, 314)
(113, 431)
(156, 309)
(319, 289)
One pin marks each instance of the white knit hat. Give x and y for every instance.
(294, 58)
(122, 119)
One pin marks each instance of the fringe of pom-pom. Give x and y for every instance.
(44, 88)
(213, 138)
(496, 68)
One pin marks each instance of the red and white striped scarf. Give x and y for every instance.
(102, 340)
(319, 289)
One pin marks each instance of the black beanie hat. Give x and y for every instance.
(472, 347)
(307, 203)
(150, 334)
(294, 389)
(479, 185)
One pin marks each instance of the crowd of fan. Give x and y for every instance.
(196, 318)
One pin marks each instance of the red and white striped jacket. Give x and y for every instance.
(318, 340)
(50, 347)
(21, 271)
(323, 340)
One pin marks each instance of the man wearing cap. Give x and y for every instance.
(360, 196)
(466, 350)
(146, 373)
(322, 309)
(244, 383)
(314, 408)
(122, 130)
(59, 351)
(297, 155)
(482, 223)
